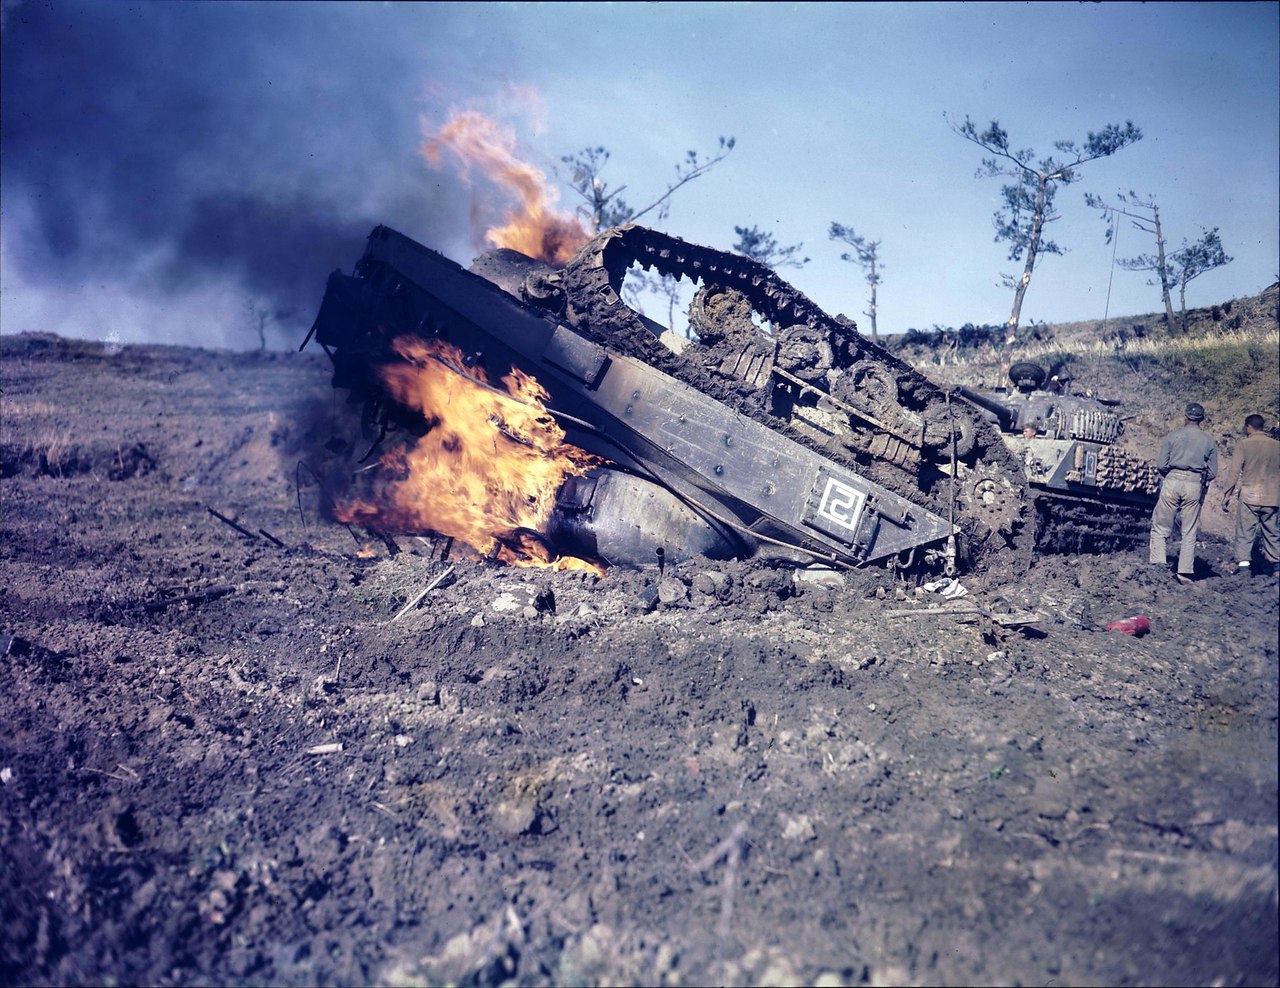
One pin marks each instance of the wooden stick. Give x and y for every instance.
(723, 849)
(932, 610)
(267, 535)
(418, 599)
(1005, 620)
(109, 775)
(729, 883)
(223, 518)
(297, 490)
(213, 593)
(329, 497)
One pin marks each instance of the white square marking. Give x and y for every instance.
(841, 504)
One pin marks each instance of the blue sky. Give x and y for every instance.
(167, 165)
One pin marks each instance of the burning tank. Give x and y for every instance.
(1090, 494)
(770, 429)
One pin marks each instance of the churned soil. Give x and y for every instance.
(230, 752)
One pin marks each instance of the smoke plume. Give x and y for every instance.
(168, 167)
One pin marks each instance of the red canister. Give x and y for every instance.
(1137, 625)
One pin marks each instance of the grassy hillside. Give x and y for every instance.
(1228, 360)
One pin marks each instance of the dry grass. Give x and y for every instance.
(1229, 361)
(22, 410)
(1162, 348)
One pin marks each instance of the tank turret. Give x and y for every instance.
(1091, 493)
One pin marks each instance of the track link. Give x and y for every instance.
(1066, 524)
(813, 378)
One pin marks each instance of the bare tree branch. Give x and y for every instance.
(864, 253)
(1028, 203)
(604, 207)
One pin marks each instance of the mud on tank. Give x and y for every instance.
(772, 420)
(1091, 495)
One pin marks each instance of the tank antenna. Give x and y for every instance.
(1106, 309)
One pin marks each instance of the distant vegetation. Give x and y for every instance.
(1228, 359)
(1028, 205)
(864, 253)
(1029, 198)
(763, 247)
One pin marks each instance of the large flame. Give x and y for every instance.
(532, 226)
(486, 471)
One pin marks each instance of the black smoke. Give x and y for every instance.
(166, 147)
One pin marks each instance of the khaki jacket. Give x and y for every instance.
(1257, 478)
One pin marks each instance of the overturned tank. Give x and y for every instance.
(1091, 495)
(771, 429)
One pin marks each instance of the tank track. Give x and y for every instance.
(811, 377)
(1069, 524)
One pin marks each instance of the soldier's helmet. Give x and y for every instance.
(1195, 411)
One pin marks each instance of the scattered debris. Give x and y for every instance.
(948, 587)
(1138, 625)
(325, 749)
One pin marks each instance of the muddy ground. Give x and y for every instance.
(728, 777)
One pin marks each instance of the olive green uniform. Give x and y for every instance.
(1188, 462)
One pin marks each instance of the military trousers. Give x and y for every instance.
(1253, 520)
(1181, 495)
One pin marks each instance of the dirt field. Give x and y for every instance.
(726, 776)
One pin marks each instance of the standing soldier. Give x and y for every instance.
(1256, 488)
(1188, 462)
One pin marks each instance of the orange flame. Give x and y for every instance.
(532, 226)
(487, 470)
